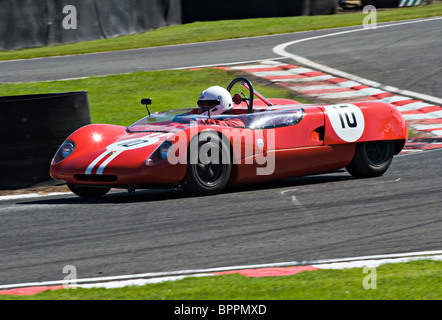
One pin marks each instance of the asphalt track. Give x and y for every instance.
(310, 218)
(315, 217)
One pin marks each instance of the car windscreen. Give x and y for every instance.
(161, 121)
(175, 120)
(275, 119)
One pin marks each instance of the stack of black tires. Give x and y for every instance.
(32, 127)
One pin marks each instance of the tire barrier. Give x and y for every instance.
(29, 23)
(394, 3)
(200, 10)
(32, 127)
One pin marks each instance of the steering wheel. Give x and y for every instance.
(237, 99)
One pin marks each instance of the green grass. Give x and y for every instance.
(219, 30)
(115, 99)
(416, 280)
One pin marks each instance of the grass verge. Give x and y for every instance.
(220, 30)
(416, 280)
(115, 99)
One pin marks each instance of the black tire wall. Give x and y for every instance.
(202, 10)
(32, 127)
(381, 3)
(35, 23)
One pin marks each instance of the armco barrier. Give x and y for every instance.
(32, 127)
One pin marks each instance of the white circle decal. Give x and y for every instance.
(131, 144)
(347, 121)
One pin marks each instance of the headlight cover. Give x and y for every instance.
(160, 153)
(64, 151)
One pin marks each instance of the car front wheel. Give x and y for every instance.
(209, 165)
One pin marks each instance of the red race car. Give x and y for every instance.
(229, 141)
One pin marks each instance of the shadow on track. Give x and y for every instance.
(153, 195)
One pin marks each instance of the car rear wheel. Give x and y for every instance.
(209, 165)
(371, 159)
(88, 192)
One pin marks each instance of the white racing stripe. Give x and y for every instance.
(108, 160)
(94, 163)
(117, 148)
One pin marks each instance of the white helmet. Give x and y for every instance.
(215, 100)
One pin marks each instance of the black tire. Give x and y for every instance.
(371, 159)
(207, 177)
(88, 192)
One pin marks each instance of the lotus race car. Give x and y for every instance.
(231, 139)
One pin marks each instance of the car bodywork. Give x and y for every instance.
(275, 139)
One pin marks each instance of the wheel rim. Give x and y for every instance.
(209, 174)
(377, 152)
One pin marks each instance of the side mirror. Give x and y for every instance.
(146, 102)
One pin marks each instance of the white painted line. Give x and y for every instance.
(263, 65)
(289, 72)
(281, 50)
(137, 282)
(348, 84)
(426, 254)
(318, 87)
(426, 126)
(395, 99)
(334, 266)
(349, 94)
(221, 64)
(413, 106)
(32, 195)
(273, 63)
(305, 79)
(429, 115)
(370, 263)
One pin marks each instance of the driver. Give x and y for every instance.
(214, 101)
